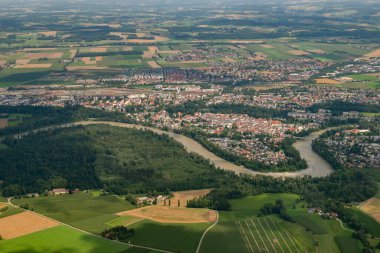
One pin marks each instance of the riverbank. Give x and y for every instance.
(317, 167)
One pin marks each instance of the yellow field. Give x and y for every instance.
(24, 223)
(373, 54)
(154, 64)
(372, 208)
(34, 66)
(326, 81)
(166, 214)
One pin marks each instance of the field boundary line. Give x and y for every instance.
(205, 232)
(291, 239)
(279, 244)
(265, 232)
(246, 223)
(246, 237)
(295, 246)
(86, 232)
(133, 222)
(260, 235)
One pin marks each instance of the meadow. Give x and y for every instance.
(252, 233)
(169, 236)
(64, 239)
(79, 210)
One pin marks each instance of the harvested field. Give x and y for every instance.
(373, 54)
(34, 66)
(98, 50)
(169, 51)
(326, 81)
(20, 62)
(3, 123)
(267, 46)
(2, 62)
(48, 33)
(154, 64)
(298, 52)
(229, 59)
(372, 208)
(258, 57)
(24, 223)
(317, 51)
(167, 214)
(184, 196)
(73, 53)
(127, 48)
(233, 47)
(153, 49)
(91, 60)
(56, 55)
(148, 55)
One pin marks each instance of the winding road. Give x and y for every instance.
(317, 166)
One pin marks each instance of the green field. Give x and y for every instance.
(310, 224)
(347, 244)
(63, 239)
(267, 235)
(330, 228)
(251, 205)
(174, 237)
(11, 211)
(79, 210)
(250, 233)
(277, 52)
(371, 224)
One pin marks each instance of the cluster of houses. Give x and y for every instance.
(327, 215)
(357, 148)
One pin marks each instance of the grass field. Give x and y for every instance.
(347, 244)
(274, 51)
(309, 223)
(252, 234)
(331, 228)
(63, 239)
(79, 210)
(267, 235)
(11, 211)
(182, 238)
(370, 223)
(251, 205)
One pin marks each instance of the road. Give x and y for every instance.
(9, 202)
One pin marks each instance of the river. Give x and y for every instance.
(317, 166)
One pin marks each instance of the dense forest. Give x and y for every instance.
(118, 160)
(42, 116)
